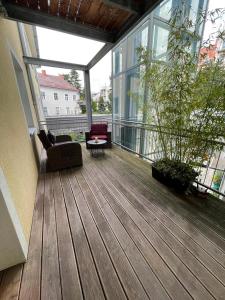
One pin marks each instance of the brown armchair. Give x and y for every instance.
(101, 132)
(63, 154)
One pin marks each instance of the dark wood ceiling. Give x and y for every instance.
(104, 20)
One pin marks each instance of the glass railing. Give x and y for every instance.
(143, 140)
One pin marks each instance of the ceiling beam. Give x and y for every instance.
(38, 18)
(129, 5)
(53, 63)
(101, 53)
(134, 20)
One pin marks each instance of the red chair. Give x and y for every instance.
(101, 132)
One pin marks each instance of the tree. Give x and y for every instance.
(94, 106)
(83, 109)
(109, 104)
(73, 78)
(186, 103)
(101, 105)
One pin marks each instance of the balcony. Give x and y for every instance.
(110, 231)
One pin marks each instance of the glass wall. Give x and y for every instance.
(128, 94)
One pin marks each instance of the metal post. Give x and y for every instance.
(88, 97)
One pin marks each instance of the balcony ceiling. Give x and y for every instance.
(103, 20)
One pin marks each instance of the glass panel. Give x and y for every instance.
(164, 9)
(160, 42)
(134, 96)
(118, 97)
(136, 40)
(119, 61)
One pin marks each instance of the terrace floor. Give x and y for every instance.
(110, 231)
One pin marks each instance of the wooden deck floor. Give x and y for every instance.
(110, 231)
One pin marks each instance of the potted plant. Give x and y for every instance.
(174, 173)
(186, 104)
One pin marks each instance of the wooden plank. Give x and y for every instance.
(54, 22)
(148, 279)
(54, 6)
(71, 288)
(207, 279)
(209, 225)
(64, 7)
(50, 285)
(10, 285)
(110, 282)
(129, 5)
(119, 202)
(181, 214)
(131, 192)
(170, 283)
(43, 5)
(31, 281)
(131, 284)
(91, 285)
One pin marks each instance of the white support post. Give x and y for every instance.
(88, 96)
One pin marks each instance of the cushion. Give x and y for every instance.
(44, 139)
(99, 129)
(51, 137)
(100, 137)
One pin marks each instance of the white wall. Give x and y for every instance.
(13, 246)
(51, 103)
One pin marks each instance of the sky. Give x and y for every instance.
(60, 46)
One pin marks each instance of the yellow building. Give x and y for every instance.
(19, 150)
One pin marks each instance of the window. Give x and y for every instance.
(57, 110)
(68, 110)
(45, 111)
(136, 40)
(66, 97)
(160, 41)
(56, 96)
(74, 97)
(42, 95)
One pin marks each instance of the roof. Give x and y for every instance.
(56, 82)
(102, 20)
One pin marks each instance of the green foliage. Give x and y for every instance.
(83, 109)
(109, 104)
(185, 102)
(73, 78)
(176, 170)
(94, 106)
(101, 105)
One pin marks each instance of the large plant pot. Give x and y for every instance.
(168, 181)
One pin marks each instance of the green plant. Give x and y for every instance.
(101, 105)
(176, 170)
(185, 101)
(94, 106)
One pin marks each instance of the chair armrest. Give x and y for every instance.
(109, 136)
(63, 138)
(87, 135)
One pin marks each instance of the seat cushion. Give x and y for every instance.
(99, 136)
(99, 129)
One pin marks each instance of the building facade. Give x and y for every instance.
(59, 98)
(105, 92)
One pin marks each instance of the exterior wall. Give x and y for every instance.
(17, 158)
(104, 92)
(50, 103)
